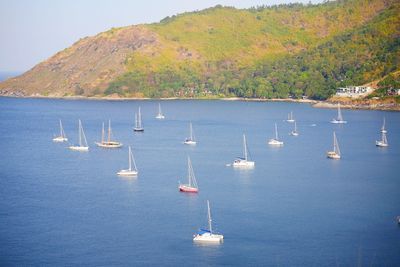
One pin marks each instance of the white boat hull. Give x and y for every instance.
(127, 173)
(381, 144)
(79, 148)
(274, 142)
(338, 122)
(190, 142)
(60, 139)
(290, 120)
(213, 238)
(109, 144)
(160, 117)
(332, 155)
(243, 164)
(294, 133)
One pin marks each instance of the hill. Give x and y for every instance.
(267, 52)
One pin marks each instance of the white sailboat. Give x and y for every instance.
(132, 170)
(83, 146)
(191, 186)
(335, 154)
(290, 117)
(207, 235)
(138, 122)
(160, 115)
(383, 142)
(190, 140)
(275, 141)
(383, 129)
(108, 143)
(294, 132)
(339, 119)
(62, 137)
(243, 162)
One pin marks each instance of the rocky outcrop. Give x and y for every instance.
(85, 68)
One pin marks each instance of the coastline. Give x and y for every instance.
(327, 104)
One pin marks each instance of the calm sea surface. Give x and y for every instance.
(296, 208)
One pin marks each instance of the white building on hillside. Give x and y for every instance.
(353, 91)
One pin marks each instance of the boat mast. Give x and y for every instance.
(340, 118)
(295, 127)
(276, 132)
(139, 119)
(384, 139)
(109, 130)
(244, 147)
(383, 126)
(61, 130)
(209, 217)
(335, 144)
(130, 159)
(102, 134)
(191, 131)
(190, 172)
(80, 135)
(159, 109)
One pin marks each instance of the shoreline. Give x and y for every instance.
(326, 104)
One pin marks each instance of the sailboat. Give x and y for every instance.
(290, 117)
(160, 115)
(62, 137)
(243, 162)
(132, 171)
(335, 154)
(138, 122)
(190, 140)
(383, 142)
(275, 141)
(191, 186)
(108, 143)
(339, 118)
(383, 129)
(83, 146)
(294, 132)
(207, 235)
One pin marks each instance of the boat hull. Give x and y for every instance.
(138, 129)
(243, 164)
(211, 238)
(60, 139)
(160, 117)
(338, 122)
(188, 189)
(290, 120)
(109, 144)
(127, 173)
(381, 144)
(294, 133)
(79, 148)
(274, 142)
(332, 155)
(190, 142)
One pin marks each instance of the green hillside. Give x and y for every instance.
(267, 51)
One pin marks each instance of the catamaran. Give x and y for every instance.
(294, 132)
(339, 118)
(138, 122)
(290, 117)
(83, 146)
(335, 154)
(108, 143)
(160, 115)
(243, 162)
(275, 141)
(190, 140)
(132, 170)
(207, 235)
(383, 129)
(191, 186)
(383, 142)
(62, 137)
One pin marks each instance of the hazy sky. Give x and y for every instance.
(33, 30)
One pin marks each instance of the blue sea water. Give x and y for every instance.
(296, 208)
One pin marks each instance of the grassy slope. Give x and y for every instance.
(215, 48)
